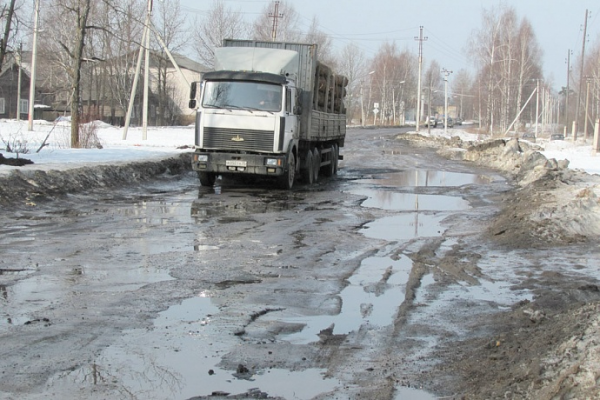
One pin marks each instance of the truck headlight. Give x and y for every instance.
(273, 162)
(201, 157)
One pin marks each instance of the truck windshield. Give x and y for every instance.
(248, 95)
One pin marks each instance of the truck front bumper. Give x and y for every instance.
(227, 163)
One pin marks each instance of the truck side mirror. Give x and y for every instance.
(193, 90)
(192, 104)
(298, 110)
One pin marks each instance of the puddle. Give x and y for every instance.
(407, 393)
(405, 227)
(28, 297)
(242, 204)
(388, 200)
(368, 299)
(428, 178)
(179, 358)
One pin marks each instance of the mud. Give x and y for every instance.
(425, 269)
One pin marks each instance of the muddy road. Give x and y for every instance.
(379, 283)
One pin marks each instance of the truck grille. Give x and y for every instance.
(238, 139)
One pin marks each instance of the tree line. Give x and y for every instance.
(92, 47)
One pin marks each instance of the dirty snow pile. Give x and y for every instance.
(558, 201)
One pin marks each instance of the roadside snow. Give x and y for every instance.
(161, 142)
(578, 153)
(167, 141)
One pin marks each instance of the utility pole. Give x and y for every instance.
(33, 66)
(421, 39)
(537, 106)
(446, 74)
(145, 49)
(582, 64)
(20, 63)
(587, 101)
(275, 15)
(567, 93)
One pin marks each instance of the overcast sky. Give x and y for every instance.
(448, 25)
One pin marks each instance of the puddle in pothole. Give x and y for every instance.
(28, 298)
(427, 178)
(179, 358)
(405, 227)
(388, 200)
(407, 393)
(373, 295)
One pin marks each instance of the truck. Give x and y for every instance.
(270, 109)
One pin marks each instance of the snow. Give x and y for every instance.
(164, 142)
(579, 152)
(161, 142)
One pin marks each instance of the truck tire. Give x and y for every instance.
(316, 164)
(330, 169)
(308, 174)
(207, 178)
(336, 155)
(286, 181)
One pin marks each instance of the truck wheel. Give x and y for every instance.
(207, 178)
(336, 151)
(330, 169)
(309, 171)
(286, 181)
(316, 164)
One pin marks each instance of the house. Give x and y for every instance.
(15, 80)
(105, 89)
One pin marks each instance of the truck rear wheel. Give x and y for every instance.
(286, 181)
(207, 178)
(309, 172)
(316, 164)
(331, 168)
(336, 155)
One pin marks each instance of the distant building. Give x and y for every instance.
(105, 89)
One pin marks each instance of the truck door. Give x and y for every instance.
(291, 120)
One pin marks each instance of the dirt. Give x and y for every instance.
(546, 347)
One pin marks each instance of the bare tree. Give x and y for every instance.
(461, 87)
(286, 20)
(7, 14)
(67, 27)
(119, 46)
(433, 83)
(323, 41)
(393, 74)
(171, 27)
(507, 57)
(219, 23)
(352, 64)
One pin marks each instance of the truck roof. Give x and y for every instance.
(255, 59)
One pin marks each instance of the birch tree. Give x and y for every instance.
(219, 23)
(507, 57)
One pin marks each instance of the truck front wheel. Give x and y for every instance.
(207, 178)
(286, 181)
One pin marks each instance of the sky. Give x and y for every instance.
(163, 142)
(448, 25)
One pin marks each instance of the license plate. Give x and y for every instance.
(236, 163)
